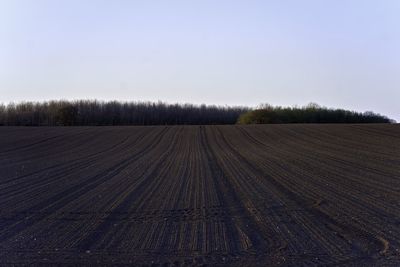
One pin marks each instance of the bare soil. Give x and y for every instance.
(256, 195)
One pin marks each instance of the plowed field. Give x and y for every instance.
(280, 195)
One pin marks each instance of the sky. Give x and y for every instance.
(338, 53)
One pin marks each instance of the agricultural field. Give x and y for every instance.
(238, 195)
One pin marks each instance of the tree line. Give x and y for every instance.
(93, 112)
(312, 113)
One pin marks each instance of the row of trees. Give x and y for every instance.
(312, 113)
(93, 112)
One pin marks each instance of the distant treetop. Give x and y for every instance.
(311, 113)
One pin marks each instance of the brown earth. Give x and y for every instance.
(276, 195)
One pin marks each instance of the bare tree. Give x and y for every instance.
(93, 112)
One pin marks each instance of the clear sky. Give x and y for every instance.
(338, 53)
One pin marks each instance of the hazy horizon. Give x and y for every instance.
(339, 54)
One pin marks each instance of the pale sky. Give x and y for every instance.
(338, 53)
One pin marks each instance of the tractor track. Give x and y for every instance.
(257, 195)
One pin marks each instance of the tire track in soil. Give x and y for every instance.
(59, 200)
(45, 140)
(306, 158)
(71, 165)
(66, 169)
(207, 195)
(248, 232)
(349, 232)
(360, 200)
(124, 203)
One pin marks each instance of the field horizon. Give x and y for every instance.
(199, 133)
